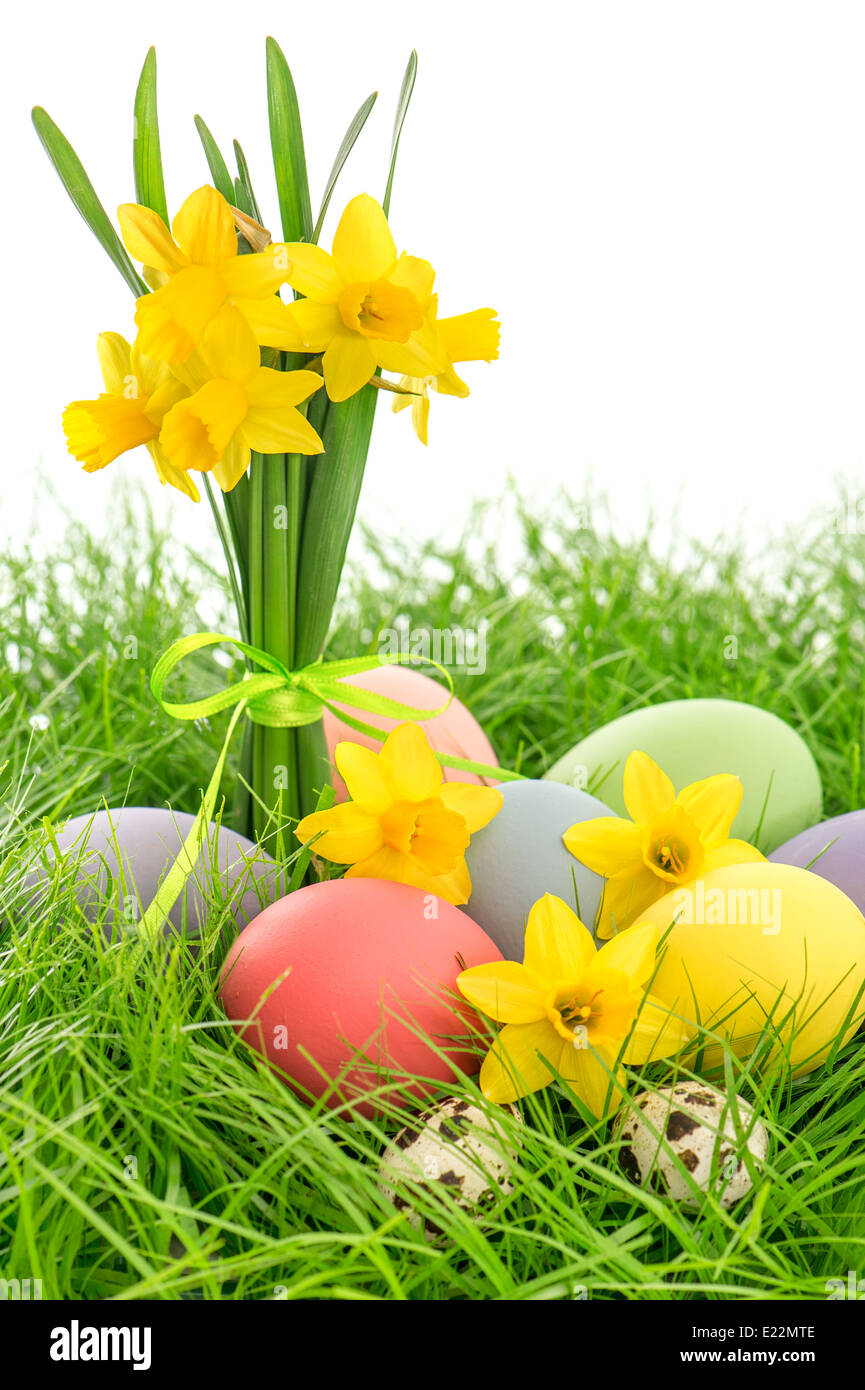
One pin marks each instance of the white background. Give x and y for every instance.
(664, 201)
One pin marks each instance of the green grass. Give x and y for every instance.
(146, 1153)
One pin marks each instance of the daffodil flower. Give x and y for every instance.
(236, 405)
(403, 822)
(358, 298)
(571, 1010)
(199, 270)
(670, 840)
(138, 394)
(472, 337)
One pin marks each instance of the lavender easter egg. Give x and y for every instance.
(124, 854)
(835, 850)
(520, 856)
(347, 983)
(455, 732)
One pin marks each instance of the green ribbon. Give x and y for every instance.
(279, 698)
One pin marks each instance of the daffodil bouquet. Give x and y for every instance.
(257, 363)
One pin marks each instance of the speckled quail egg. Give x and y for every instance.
(695, 1123)
(454, 1145)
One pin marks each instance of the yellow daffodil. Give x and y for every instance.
(572, 1010)
(138, 394)
(403, 822)
(236, 405)
(671, 839)
(199, 271)
(470, 337)
(358, 298)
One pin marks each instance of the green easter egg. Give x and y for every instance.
(692, 739)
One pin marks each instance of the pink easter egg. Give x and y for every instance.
(455, 732)
(343, 982)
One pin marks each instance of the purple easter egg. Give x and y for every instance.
(834, 849)
(124, 854)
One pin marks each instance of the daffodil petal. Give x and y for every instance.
(363, 247)
(280, 430)
(167, 473)
(412, 273)
(272, 390)
(476, 805)
(204, 228)
(228, 346)
(392, 864)
(472, 337)
(514, 1066)
(409, 764)
(713, 805)
(348, 364)
(364, 775)
(348, 834)
(657, 1034)
(626, 896)
(172, 320)
(632, 951)
(647, 790)
(317, 324)
(259, 274)
(598, 1089)
(607, 845)
(505, 991)
(148, 240)
(558, 946)
(731, 852)
(273, 323)
(115, 362)
(313, 273)
(233, 464)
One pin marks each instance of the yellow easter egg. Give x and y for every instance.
(757, 942)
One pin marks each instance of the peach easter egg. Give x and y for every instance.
(345, 984)
(456, 732)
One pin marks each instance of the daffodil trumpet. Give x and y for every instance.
(255, 366)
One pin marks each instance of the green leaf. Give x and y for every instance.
(335, 482)
(286, 140)
(222, 180)
(246, 199)
(345, 150)
(146, 151)
(83, 195)
(401, 112)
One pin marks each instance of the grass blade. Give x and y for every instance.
(401, 112)
(83, 195)
(286, 140)
(246, 199)
(146, 150)
(222, 180)
(345, 149)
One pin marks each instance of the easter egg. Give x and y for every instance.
(125, 853)
(693, 739)
(455, 732)
(759, 941)
(453, 1148)
(684, 1137)
(835, 850)
(520, 856)
(353, 979)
